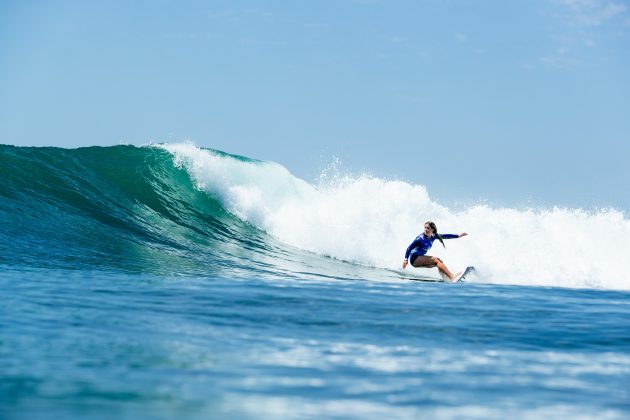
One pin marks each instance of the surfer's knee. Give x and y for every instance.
(436, 260)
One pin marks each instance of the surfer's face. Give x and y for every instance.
(428, 230)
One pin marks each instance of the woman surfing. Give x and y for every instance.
(416, 252)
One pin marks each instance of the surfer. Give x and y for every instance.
(416, 252)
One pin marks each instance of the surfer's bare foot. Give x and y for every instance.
(455, 276)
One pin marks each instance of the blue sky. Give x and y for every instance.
(519, 103)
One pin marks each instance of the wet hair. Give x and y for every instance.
(434, 229)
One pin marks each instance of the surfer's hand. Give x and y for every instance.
(463, 234)
(405, 262)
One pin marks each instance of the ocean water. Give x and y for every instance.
(172, 281)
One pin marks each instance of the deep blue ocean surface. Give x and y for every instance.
(143, 283)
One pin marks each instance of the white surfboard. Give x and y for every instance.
(410, 275)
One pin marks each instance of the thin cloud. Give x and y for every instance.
(239, 14)
(395, 39)
(593, 12)
(560, 59)
(461, 37)
(582, 28)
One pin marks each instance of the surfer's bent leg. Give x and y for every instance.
(430, 262)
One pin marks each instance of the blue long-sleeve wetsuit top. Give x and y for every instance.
(422, 243)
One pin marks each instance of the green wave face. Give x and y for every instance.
(121, 208)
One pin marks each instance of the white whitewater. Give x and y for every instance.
(371, 221)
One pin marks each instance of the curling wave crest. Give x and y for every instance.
(370, 221)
